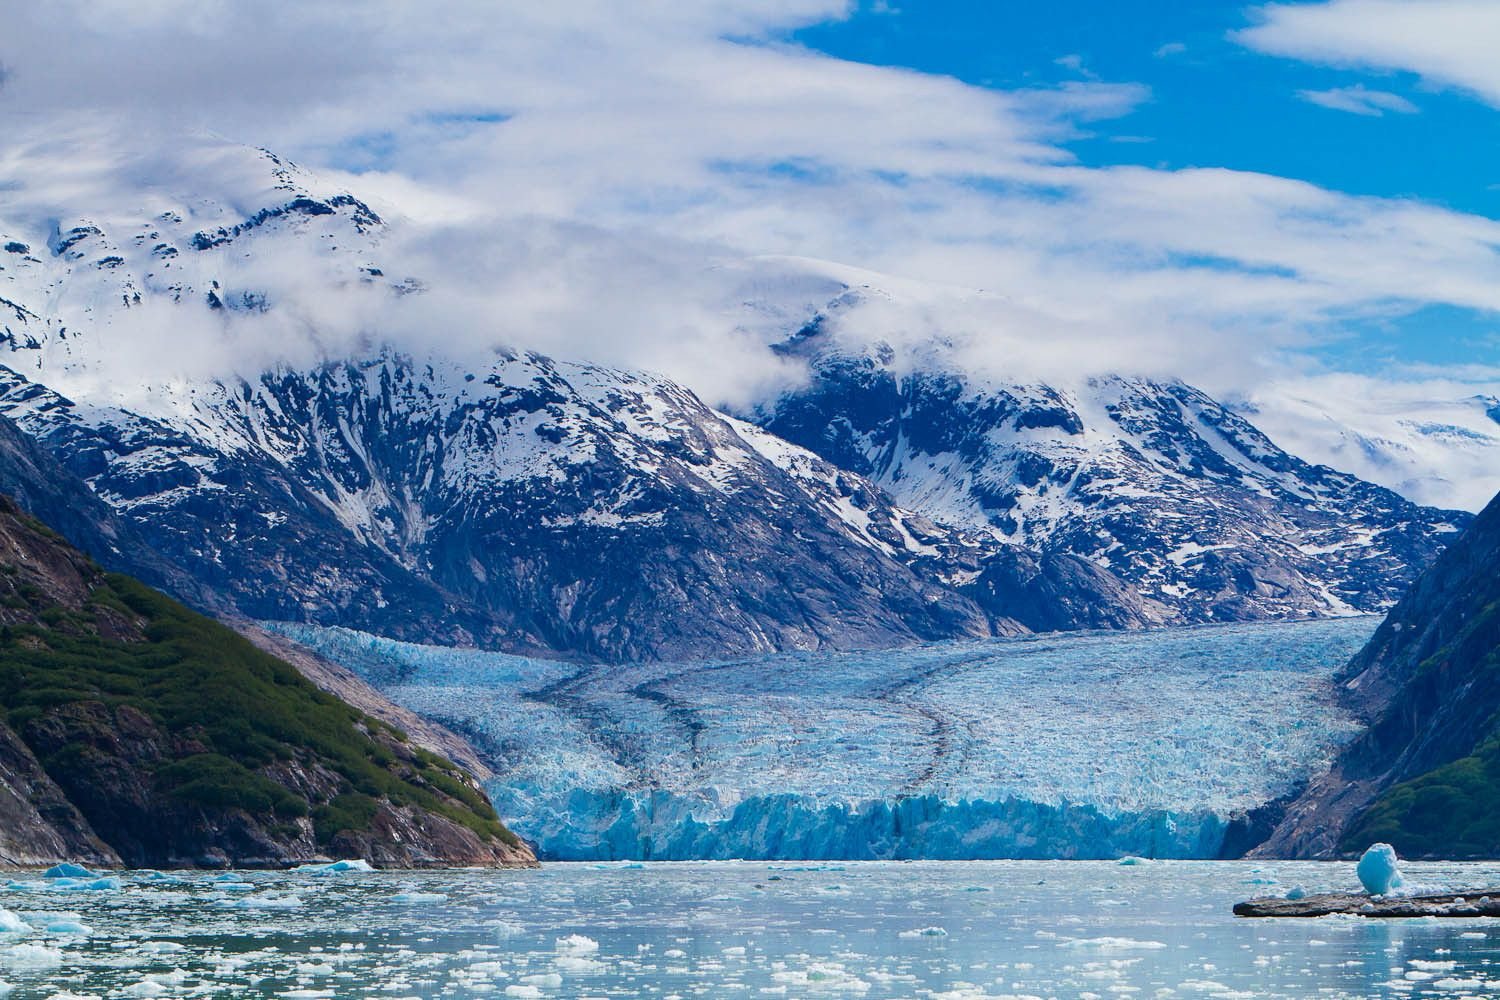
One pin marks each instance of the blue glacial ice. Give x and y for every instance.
(1057, 746)
(1379, 870)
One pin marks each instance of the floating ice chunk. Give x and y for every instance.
(1132, 860)
(419, 897)
(522, 991)
(12, 924)
(146, 988)
(576, 944)
(68, 870)
(158, 878)
(66, 925)
(549, 979)
(67, 883)
(924, 932)
(1112, 944)
(1378, 870)
(160, 947)
(266, 902)
(31, 956)
(336, 867)
(1296, 892)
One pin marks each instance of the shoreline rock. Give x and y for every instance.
(1469, 903)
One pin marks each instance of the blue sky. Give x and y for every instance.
(1214, 102)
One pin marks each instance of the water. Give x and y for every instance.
(1086, 745)
(938, 930)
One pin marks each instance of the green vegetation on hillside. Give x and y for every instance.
(1451, 812)
(234, 708)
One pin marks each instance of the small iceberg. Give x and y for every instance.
(65, 925)
(1131, 861)
(69, 883)
(336, 867)
(1379, 870)
(925, 932)
(10, 923)
(68, 870)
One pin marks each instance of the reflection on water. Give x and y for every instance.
(951, 931)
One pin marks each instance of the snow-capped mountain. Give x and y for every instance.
(511, 500)
(1150, 480)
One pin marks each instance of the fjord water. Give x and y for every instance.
(1084, 745)
(938, 930)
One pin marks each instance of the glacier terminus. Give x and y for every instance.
(1091, 745)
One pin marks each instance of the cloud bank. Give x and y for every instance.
(655, 185)
(1449, 43)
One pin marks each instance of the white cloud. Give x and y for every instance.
(1359, 100)
(1170, 49)
(601, 181)
(1450, 43)
(1432, 439)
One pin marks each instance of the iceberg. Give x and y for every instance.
(67, 925)
(68, 870)
(1379, 870)
(1087, 745)
(335, 867)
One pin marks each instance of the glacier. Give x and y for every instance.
(1093, 745)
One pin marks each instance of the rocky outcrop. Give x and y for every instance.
(38, 825)
(1429, 685)
(30, 475)
(134, 730)
(1470, 903)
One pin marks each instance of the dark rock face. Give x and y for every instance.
(542, 507)
(134, 730)
(38, 825)
(39, 484)
(1154, 491)
(1427, 682)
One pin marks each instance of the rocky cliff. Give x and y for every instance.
(1425, 774)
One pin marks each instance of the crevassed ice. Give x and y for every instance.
(1082, 745)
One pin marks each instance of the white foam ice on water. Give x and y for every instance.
(1083, 745)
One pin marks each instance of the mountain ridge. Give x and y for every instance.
(575, 509)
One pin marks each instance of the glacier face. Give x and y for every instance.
(1085, 745)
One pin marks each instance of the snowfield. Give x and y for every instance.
(1090, 746)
